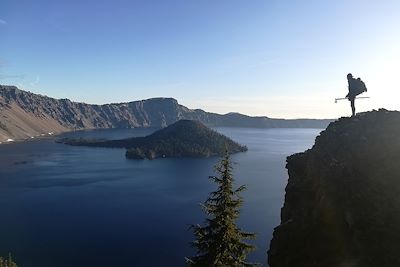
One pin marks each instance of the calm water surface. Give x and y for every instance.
(64, 206)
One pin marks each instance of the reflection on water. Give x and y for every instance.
(78, 206)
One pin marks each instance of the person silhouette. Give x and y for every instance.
(352, 92)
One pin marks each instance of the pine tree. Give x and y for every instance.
(220, 242)
(7, 262)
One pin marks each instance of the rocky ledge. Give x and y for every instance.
(342, 202)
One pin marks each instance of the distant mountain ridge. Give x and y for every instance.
(24, 114)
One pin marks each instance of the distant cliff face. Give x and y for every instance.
(24, 114)
(342, 202)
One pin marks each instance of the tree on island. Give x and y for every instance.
(220, 242)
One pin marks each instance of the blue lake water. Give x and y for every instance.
(64, 206)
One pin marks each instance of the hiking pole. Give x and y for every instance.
(336, 99)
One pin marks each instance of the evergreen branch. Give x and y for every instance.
(220, 242)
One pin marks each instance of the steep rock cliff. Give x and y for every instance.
(342, 202)
(24, 114)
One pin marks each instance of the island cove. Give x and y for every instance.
(183, 139)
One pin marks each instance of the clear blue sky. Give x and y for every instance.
(276, 58)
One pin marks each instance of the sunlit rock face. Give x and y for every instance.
(24, 115)
(342, 202)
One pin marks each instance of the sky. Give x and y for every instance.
(282, 59)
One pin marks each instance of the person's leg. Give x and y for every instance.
(353, 108)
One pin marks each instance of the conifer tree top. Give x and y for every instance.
(220, 242)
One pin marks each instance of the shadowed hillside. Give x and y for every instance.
(342, 202)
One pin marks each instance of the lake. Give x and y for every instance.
(64, 206)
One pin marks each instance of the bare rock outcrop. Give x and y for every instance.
(342, 202)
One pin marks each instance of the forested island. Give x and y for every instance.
(183, 139)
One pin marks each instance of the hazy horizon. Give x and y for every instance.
(179, 102)
(264, 58)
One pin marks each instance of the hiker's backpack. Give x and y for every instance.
(358, 87)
